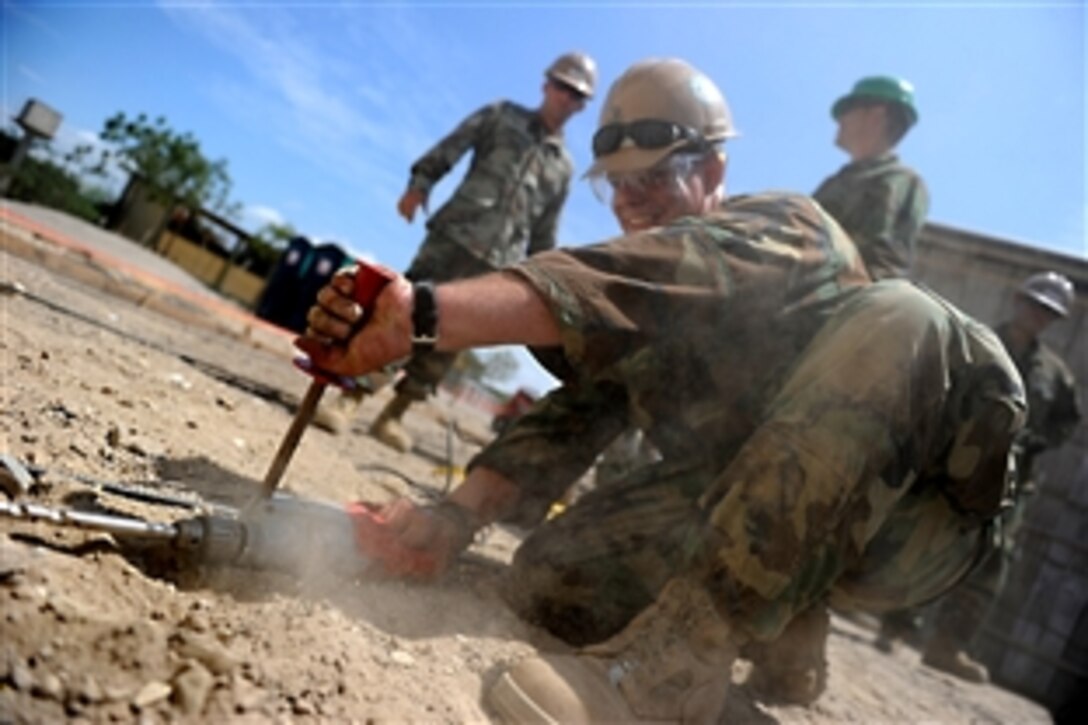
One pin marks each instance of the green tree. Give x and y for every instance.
(43, 181)
(276, 235)
(266, 246)
(170, 163)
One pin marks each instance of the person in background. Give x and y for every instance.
(820, 435)
(1054, 411)
(506, 208)
(880, 202)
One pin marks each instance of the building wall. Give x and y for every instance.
(234, 282)
(1035, 639)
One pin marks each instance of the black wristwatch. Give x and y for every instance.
(424, 317)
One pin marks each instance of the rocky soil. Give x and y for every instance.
(107, 377)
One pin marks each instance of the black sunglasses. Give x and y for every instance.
(646, 134)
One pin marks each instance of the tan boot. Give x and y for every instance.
(672, 663)
(336, 415)
(387, 427)
(944, 655)
(792, 670)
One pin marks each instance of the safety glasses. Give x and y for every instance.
(667, 176)
(647, 133)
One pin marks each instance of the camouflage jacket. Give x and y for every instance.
(689, 332)
(507, 206)
(1054, 407)
(682, 331)
(881, 204)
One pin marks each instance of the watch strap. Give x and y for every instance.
(424, 317)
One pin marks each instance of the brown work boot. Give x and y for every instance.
(672, 663)
(792, 670)
(387, 427)
(944, 655)
(336, 415)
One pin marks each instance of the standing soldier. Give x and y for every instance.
(878, 201)
(881, 204)
(1053, 414)
(506, 208)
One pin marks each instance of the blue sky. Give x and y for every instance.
(319, 108)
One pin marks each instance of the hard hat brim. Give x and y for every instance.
(842, 105)
(631, 158)
(577, 84)
(1046, 302)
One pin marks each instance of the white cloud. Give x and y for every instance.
(259, 216)
(28, 72)
(341, 241)
(66, 141)
(359, 109)
(18, 12)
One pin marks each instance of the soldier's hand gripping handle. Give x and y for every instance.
(367, 282)
(337, 340)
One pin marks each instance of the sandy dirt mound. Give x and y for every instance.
(109, 390)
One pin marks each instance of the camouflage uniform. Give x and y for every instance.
(881, 204)
(1053, 413)
(505, 209)
(818, 433)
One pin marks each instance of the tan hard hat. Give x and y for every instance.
(577, 70)
(1051, 290)
(664, 89)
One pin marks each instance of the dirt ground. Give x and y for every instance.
(110, 381)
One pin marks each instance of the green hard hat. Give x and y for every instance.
(879, 88)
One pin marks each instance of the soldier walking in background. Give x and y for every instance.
(820, 435)
(878, 201)
(506, 208)
(1053, 413)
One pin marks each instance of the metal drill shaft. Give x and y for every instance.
(85, 520)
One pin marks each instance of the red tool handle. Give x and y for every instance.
(369, 283)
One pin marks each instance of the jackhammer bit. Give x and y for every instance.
(282, 533)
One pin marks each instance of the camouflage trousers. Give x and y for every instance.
(823, 503)
(958, 616)
(963, 610)
(439, 260)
